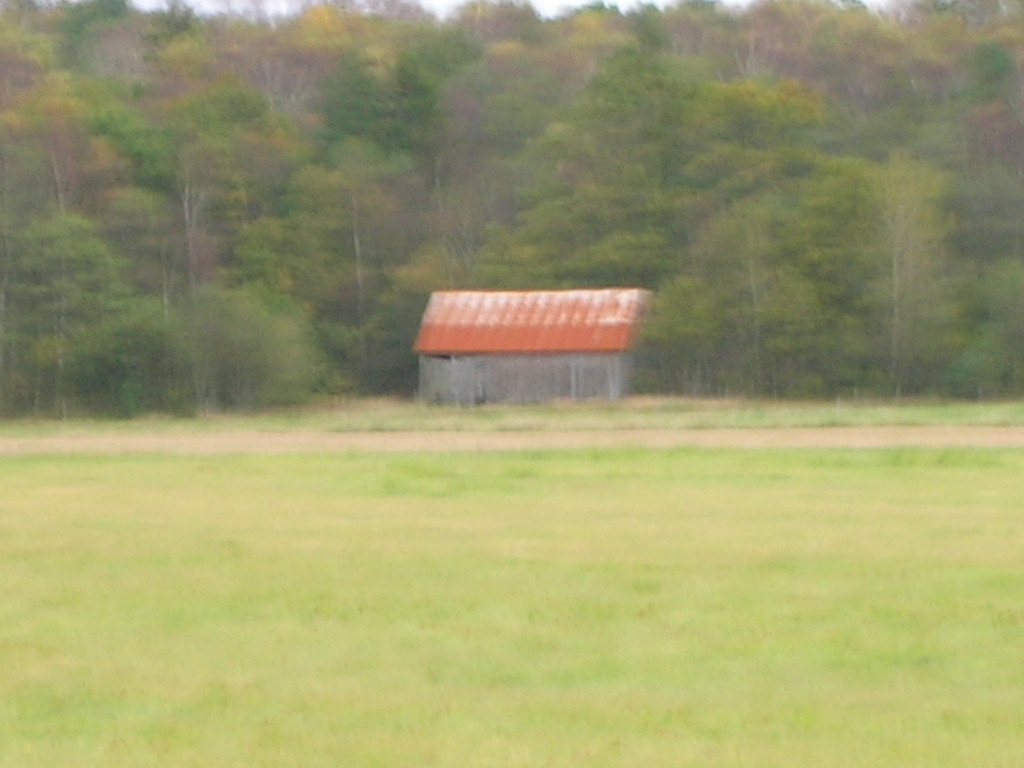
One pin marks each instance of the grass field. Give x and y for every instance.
(360, 415)
(576, 608)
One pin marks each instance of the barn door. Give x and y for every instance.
(469, 380)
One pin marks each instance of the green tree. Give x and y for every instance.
(132, 363)
(598, 215)
(917, 281)
(242, 355)
(67, 280)
(139, 224)
(986, 204)
(680, 348)
(147, 148)
(334, 251)
(789, 274)
(24, 61)
(356, 103)
(828, 246)
(80, 21)
(419, 80)
(230, 161)
(737, 261)
(992, 365)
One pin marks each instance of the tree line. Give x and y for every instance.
(231, 210)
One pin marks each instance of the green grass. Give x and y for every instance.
(360, 415)
(619, 608)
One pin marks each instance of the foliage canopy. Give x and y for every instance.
(824, 198)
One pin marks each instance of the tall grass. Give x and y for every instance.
(620, 608)
(360, 415)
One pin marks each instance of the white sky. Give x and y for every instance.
(546, 8)
(442, 8)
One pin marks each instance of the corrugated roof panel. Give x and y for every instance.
(466, 322)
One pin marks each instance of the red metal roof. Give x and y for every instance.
(467, 322)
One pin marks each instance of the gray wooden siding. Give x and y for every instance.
(475, 379)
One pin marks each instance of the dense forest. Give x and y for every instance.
(212, 211)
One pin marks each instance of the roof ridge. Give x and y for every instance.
(531, 321)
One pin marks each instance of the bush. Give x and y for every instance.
(132, 364)
(244, 356)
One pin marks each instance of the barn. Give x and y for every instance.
(528, 346)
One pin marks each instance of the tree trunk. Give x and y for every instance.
(193, 200)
